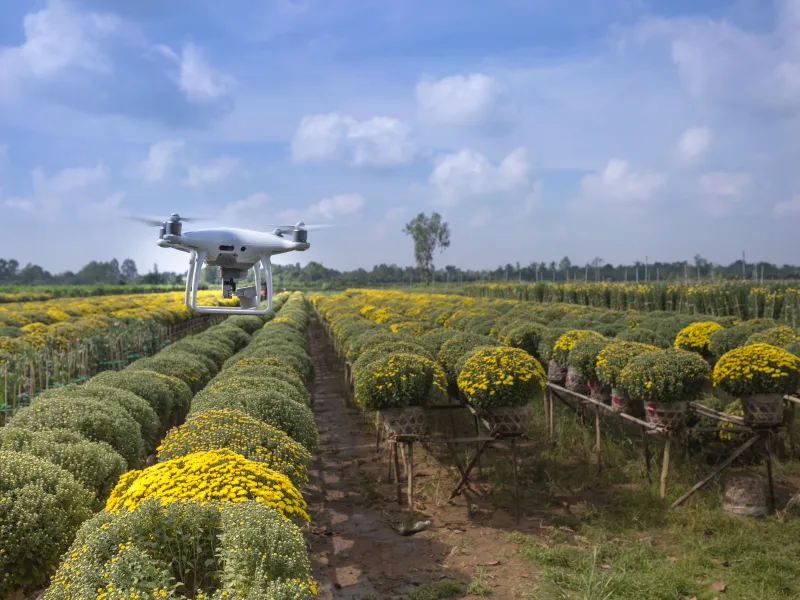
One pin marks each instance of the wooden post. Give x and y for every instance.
(646, 446)
(396, 464)
(516, 479)
(790, 427)
(551, 420)
(378, 430)
(597, 436)
(665, 469)
(770, 480)
(410, 469)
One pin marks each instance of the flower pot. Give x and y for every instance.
(745, 495)
(667, 415)
(508, 420)
(619, 400)
(599, 392)
(556, 373)
(763, 410)
(575, 382)
(406, 421)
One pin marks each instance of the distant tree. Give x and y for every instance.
(428, 233)
(565, 266)
(128, 270)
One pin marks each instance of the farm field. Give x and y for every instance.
(243, 461)
(64, 340)
(38, 293)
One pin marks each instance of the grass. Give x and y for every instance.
(435, 591)
(479, 584)
(616, 539)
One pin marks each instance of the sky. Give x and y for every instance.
(618, 129)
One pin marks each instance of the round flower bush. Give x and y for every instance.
(201, 346)
(41, 508)
(612, 359)
(384, 349)
(374, 337)
(248, 323)
(296, 356)
(757, 369)
(187, 367)
(280, 333)
(457, 346)
(237, 383)
(526, 336)
(434, 339)
(243, 434)
(136, 407)
(92, 418)
(414, 328)
(567, 340)
(212, 476)
(95, 465)
(724, 340)
(187, 550)
(497, 377)
(266, 368)
(285, 414)
(400, 380)
(230, 335)
(547, 342)
(583, 356)
(144, 384)
(776, 336)
(665, 376)
(696, 337)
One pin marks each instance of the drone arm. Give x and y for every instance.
(190, 279)
(266, 263)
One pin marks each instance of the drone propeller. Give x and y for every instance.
(299, 226)
(159, 222)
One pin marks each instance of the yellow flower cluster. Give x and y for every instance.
(757, 369)
(615, 357)
(495, 377)
(565, 343)
(214, 476)
(695, 337)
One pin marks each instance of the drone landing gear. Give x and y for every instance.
(249, 299)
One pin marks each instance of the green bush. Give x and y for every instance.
(243, 434)
(92, 418)
(548, 341)
(137, 407)
(204, 346)
(385, 348)
(400, 380)
(237, 383)
(41, 508)
(526, 336)
(230, 335)
(643, 335)
(776, 336)
(358, 343)
(249, 323)
(300, 360)
(583, 356)
(291, 417)
(96, 465)
(190, 369)
(187, 550)
(501, 376)
(144, 384)
(434, 339)
(243, 369)
(666, 376)
(457, 346)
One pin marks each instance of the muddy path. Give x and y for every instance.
(356, 550)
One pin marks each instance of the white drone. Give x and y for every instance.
(235, 251)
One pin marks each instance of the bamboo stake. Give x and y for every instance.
(665, 469)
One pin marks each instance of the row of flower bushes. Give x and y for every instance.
(236, 472)
(493, 350)
(59, 322)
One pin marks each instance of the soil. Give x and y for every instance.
(356, 549)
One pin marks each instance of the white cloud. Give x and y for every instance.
(459, 99)
(97, 211)
(619, 183)
(722, 183)
(214, 172)
(56, 39)
(338, 139)
(468, 173)
(693, 144)
(326, 209)
(160, 158)
(788, 207)
(240, 208)
(51, 193)
(198, 81)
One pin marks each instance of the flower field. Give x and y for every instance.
(500, 353)
(780, 301)
(66, 340)
(178, 476)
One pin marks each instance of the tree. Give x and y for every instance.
(128, 270)
(428, 233)
(565, 266)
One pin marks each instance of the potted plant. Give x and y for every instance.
(556, 373)
(665, 381)
(574, 380)
(399, 386)
(500, 382)
(582, 360)
(610, 362)
(760, 375)
(696, 338)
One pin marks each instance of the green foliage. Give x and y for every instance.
(643, 335)
(187, 367)
(583, 356)
(145, 384)
(428, 233)
(459, 345)
(203, 346)
(666, 376)
(41, 507)
(400, 380)
(526, 336)
(434, 339)
(94, 419)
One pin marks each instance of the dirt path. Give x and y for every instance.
(355, 548)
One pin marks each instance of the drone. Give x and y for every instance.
(235, 251)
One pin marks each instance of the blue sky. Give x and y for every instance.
(538, 128)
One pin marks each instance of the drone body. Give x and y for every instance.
(235, 251)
